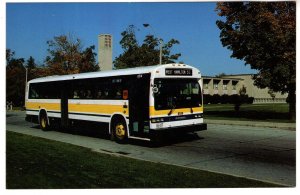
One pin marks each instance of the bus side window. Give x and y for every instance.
(99, 94)
(82, 94)
(75, 95)
(88, 94)
(32, 92)
(118, 93)
(106, 93)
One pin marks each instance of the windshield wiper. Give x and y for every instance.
(173, 108)
(190, 103)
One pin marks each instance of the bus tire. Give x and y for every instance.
(119, 129)
(44, 125)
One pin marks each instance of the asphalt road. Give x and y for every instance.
(266, 154)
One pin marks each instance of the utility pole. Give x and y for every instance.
(160, 51)
(160, 43)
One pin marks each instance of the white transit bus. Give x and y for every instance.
(133, 103)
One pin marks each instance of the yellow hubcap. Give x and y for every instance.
(43, 122)
(120, 130)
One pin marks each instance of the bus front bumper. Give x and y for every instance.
(182, 129)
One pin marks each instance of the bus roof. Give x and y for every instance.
(108, 73)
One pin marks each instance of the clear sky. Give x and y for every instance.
(30, 25)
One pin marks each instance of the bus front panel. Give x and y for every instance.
(177, 104)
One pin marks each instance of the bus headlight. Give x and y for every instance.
(157, 120)
(198, 116)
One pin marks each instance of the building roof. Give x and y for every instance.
(220, 78)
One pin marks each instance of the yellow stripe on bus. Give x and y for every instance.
(105, 109)
(99, 109)
(154, 112)
(47, 106)
(86, 108)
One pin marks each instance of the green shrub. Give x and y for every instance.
(227, 99)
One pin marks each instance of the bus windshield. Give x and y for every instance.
(177, 93)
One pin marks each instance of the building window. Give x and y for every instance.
(234, 84)
(225, 84)
(216, 86)
(205, 85)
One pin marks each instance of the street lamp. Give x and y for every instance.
(160, 43)
(160, 51)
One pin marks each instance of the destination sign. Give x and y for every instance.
(179, 71)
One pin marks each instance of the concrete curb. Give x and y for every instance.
(287, 126)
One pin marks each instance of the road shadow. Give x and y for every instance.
(89, 130)
(10, 114)
(166, 139)
(97, 130)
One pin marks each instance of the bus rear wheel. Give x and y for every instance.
(119, 130)
(44, 125)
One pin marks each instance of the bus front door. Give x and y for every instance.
(139, 105)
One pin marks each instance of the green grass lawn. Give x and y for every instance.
(258, 112)
(33, 163)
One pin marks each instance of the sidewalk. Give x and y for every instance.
(288, 126)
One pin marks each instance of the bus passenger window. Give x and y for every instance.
(32, 93)
(89, 94)
(75, 96)
(106, 94)
(118, 94)
(82, 94)
(99, 95)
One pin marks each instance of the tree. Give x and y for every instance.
(66, 56)
(31, 63)
(88, 60)
(272, 94)
(220, 75)
(15, 79)
(31, 66)
(263, 35)
(238, 100)
(145, 54)
(9, 55)
(34, 70)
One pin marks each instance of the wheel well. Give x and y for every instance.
(115, 118)
(43, 112)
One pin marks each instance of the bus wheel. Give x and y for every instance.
(119, 130)
(44, 125)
